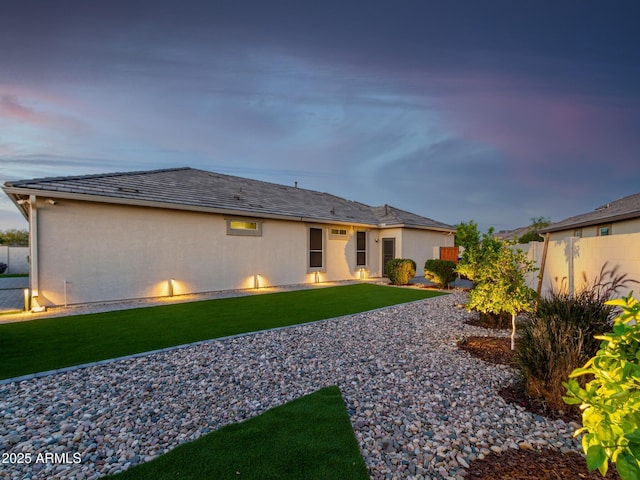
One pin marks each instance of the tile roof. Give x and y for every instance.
(201, 190)
(622, 209)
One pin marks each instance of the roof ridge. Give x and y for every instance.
(92, 175)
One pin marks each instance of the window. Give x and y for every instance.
(240, 226)
(361, 249)
(577, 233)
(340, 233)
(604, 230)
(316, 252)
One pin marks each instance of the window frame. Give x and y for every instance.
(364, 250)
(322, 250)
(603, 226)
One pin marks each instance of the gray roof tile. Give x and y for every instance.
(189, 187)
(622, 209)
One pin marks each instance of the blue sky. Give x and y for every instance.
(493, 111)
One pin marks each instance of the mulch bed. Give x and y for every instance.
(524, 464)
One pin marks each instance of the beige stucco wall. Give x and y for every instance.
(16, 259)
(93, 252)
(419, 245)
(109, 252)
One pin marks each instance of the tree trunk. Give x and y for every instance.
(513, 331)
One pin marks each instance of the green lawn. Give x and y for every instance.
(47, 344)
(308, 438)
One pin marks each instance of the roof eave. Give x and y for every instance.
(14, 192)
(593, 222)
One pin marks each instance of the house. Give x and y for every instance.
(176, 231)
(618, 217)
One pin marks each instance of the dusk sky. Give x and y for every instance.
(493, 111)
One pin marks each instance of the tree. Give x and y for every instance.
(498, 272)
(533, 235)
(14, 237)
(467, 236)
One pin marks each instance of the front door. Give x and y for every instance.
(388, 253)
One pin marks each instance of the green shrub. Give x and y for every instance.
(559, 336)
(440, 272)
(610, 402)
(401, 270)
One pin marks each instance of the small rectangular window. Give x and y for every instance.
(577, 233)
(361, 249)
(248, 227)
(340, 233)
(316, 252)
(238, 225)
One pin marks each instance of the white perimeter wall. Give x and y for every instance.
(573, 263)
(16, 258)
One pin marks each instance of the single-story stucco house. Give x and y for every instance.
(614, 218)
(167, 232)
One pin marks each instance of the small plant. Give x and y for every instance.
(440, 272)
(3, 267)
(610, 402)
(401, 270)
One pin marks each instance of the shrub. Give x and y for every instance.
(611, 400)
(559, 336)
(3, 267)
(440, 272)
(401, 270)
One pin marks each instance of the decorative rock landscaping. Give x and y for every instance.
(420, 407)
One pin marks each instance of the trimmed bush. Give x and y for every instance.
(3, 267)
(401, 270)
(440, 272)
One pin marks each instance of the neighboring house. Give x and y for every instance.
(618, 217)
(176, 231)
(510, 235)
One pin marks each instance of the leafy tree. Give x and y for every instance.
(498, 272)
(610, 401)
(467, 236)
(533, 235)
(14, 237)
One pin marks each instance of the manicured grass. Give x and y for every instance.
(47, 344)
(310, 437)
(13, 275)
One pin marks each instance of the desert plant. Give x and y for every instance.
(401, 270)
(559, 335)
(610, 401)
(440, 272)
(3, 267)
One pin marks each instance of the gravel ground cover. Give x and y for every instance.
(420, 407)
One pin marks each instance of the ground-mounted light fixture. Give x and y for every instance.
(172, 286)
(256, 281)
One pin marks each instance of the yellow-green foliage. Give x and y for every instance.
(610, 402)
